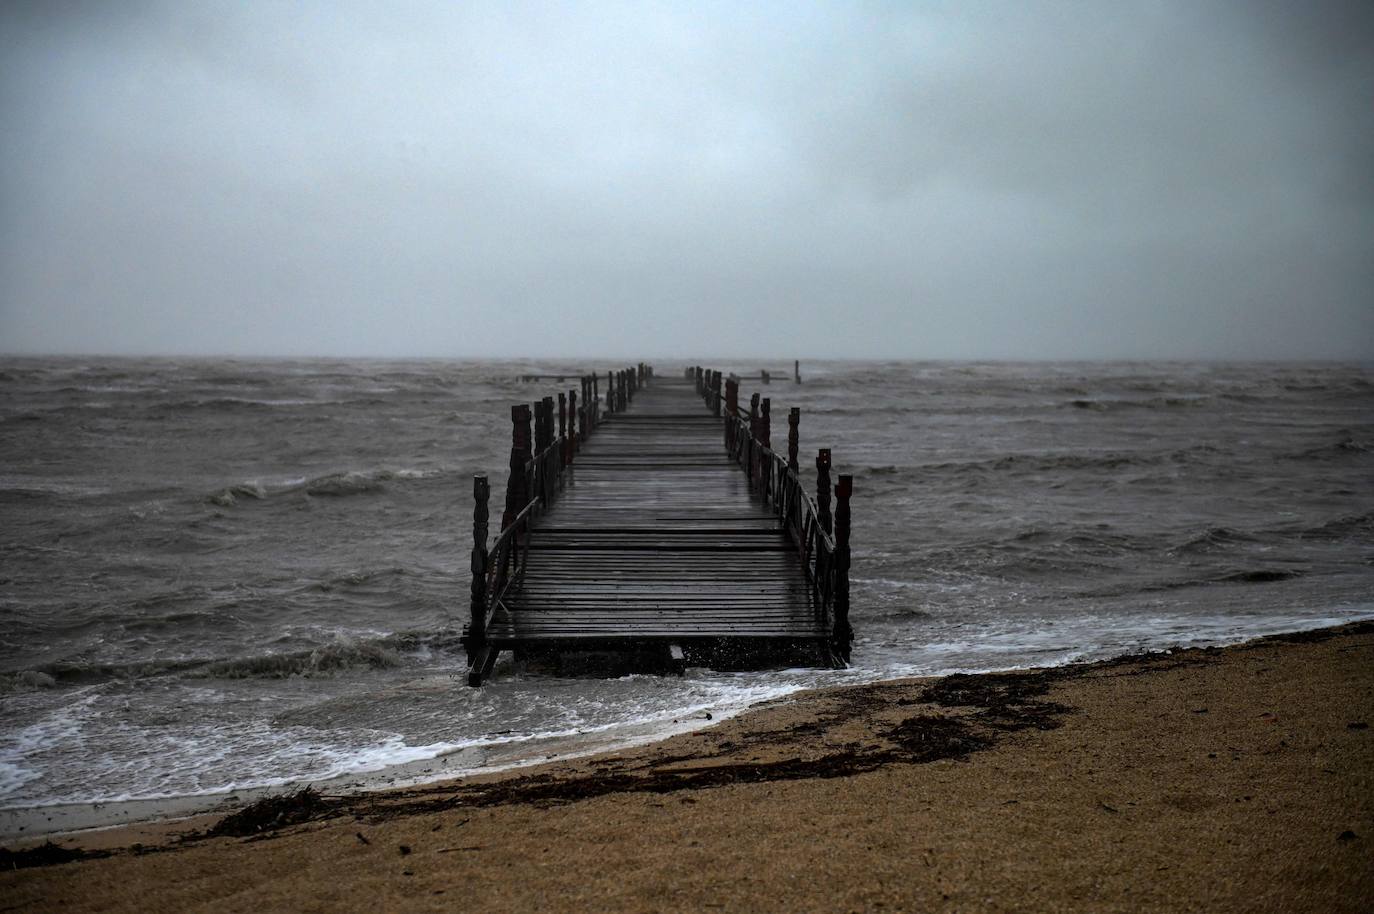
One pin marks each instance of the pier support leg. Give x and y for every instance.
(677, 660)
(481, 665)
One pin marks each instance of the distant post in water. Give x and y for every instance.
(793, 420)
(823, 488)
(796, 371)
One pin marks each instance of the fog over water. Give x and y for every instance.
(913, 180)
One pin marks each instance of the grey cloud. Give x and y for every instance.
(910, 180)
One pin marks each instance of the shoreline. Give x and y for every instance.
(1231, 778)
(23, 826)
(76, 822)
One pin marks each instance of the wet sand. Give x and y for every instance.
(1226, 779)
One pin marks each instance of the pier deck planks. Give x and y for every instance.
(656, 538)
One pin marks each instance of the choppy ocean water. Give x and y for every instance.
(222, 574)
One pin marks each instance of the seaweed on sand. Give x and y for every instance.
(272, 813)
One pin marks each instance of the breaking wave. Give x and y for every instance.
(1105, 404)
(322, 661)
(1344, 446)
(1051, 463)
(341, 655)
(330, 485)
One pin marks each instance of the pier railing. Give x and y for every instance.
(821, 539)
(545, 440)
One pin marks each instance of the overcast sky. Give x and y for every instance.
(896, 180)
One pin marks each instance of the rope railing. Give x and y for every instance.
(821, 540)
(545, 440)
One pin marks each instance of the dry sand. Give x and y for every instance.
(1239, 779)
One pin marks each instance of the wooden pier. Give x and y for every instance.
(655, 521)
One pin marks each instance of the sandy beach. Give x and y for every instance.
(1236, 779)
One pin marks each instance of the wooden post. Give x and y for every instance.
(563, 426)
(545, 478)
(823, 488)
(763, 375)
(715, 393)
(610, 391)
(477, 633)
(753, 439)
(766, 422)
(516, 497)
(844, 635)
(793, 420)
(538, 447)
(586, 418)
(595, 403)
(796, 371)
(573, 416)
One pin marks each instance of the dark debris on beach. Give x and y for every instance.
(45, 854)
(272, 813)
